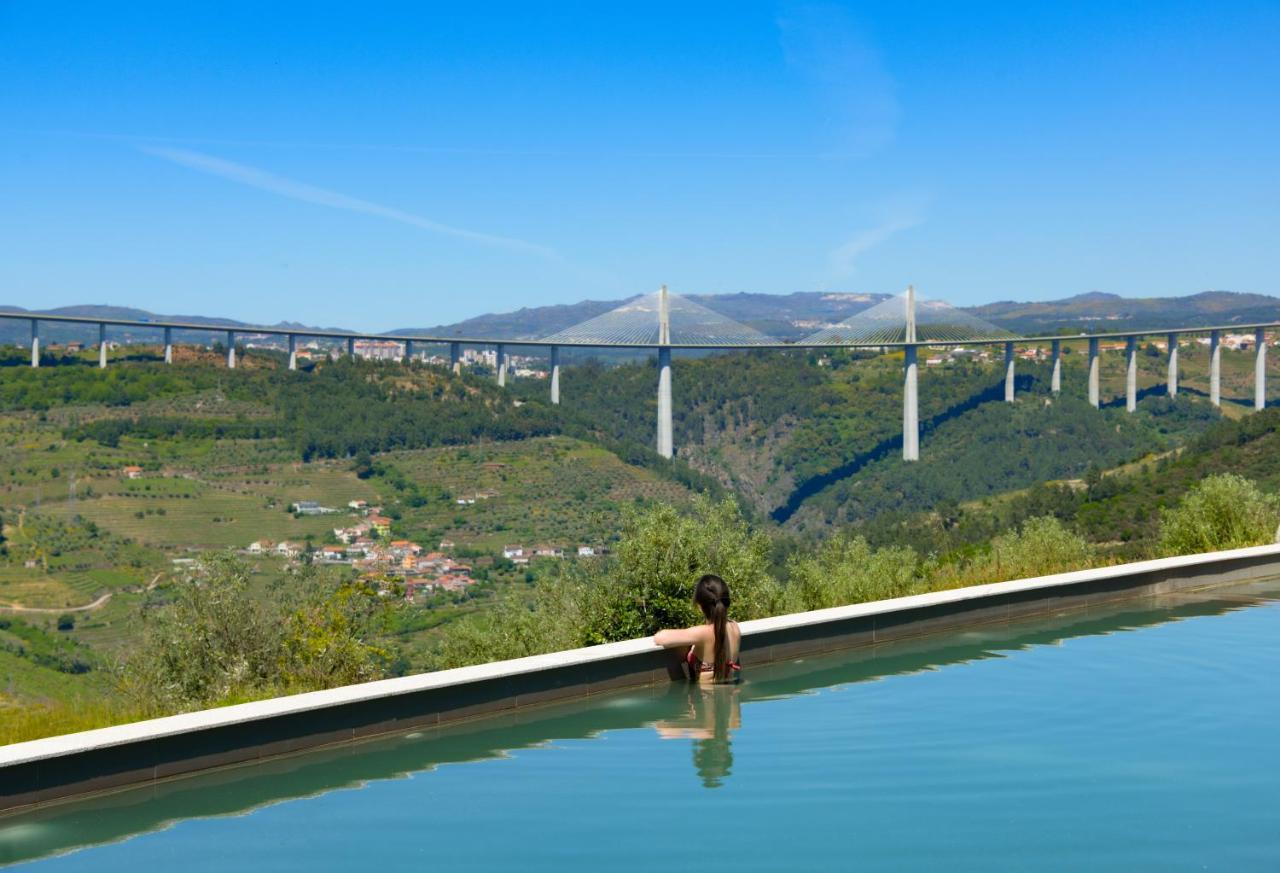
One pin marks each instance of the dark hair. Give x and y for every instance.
(712, 597)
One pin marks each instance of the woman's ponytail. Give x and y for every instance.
(712, 597)
(719, 622)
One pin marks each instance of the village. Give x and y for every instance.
(367, 547)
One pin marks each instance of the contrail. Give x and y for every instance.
(844, 257)
(265, 181)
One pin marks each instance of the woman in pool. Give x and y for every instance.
(713, 646)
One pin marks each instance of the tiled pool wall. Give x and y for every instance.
(47, 770)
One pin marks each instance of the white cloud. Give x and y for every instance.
(900, 213)
(283, 187)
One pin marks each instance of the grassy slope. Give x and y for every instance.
(553, 490)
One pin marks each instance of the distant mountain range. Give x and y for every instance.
(1098, 311)
(51, 332)
(785, 316)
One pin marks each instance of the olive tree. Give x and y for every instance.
(1222, 512)
(220, 639)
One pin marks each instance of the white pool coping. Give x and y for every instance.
(101, 738)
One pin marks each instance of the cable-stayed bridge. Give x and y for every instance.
(664, 322)
(660, 319)
(907, 318)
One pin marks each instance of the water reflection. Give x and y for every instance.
(707, 716)
(712, 714)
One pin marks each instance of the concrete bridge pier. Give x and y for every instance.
(293, 352)
(455, 357)
(35, 342)
(1055, 381)
(408, 350)
(666, 445)
(1094, 379)
(351, 347)
(1131, 373)
(231, 350)
(1215, 367)
(168, 345)
(555, 375)
(1173, 365)
(1008, 373)
(910, 406)
(102, 346)
(1260, 369)
(502, 365)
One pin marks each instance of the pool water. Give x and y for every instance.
(1141, 736)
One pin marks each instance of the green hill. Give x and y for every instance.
(814, 439)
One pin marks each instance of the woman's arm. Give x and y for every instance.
(670, 639)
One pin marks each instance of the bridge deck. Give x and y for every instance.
(544, 343)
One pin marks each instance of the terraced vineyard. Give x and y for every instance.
(222, 513)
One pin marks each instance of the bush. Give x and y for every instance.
(659, 559)
(515, 628)
(846, 570)
(218, 641)
(1222, 512)
(1041, 546)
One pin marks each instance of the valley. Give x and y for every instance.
(116, 485)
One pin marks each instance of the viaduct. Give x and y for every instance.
(910, 345)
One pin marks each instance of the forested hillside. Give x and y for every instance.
(1119, 509)
(813, 439)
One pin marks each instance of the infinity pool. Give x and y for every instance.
(1137, 737)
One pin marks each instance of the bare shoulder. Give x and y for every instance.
(692, 636)
(702, 632)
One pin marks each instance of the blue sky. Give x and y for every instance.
(377, 165)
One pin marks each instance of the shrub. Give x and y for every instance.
(219, 641)
(1222, 512)
(846, 570)
(516, 628)
(326, 637)
(1041, 546)
(662, 553)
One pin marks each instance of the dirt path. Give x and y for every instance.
(45, 610)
